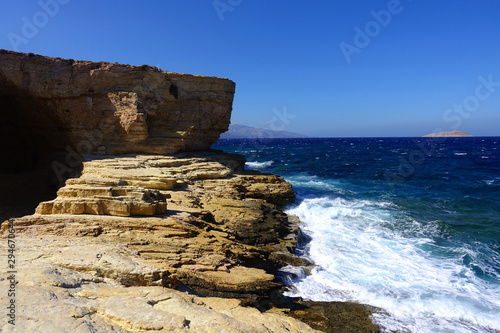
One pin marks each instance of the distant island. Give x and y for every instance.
(448, 134)
(237, 131)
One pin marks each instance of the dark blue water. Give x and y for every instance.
(410, 225)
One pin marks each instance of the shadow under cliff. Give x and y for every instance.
(31, 140)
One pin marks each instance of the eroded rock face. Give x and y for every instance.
(112, 251)
(54, 110)
(98, 107)
(198, 217)
(96, 286)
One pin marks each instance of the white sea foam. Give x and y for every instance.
(259, 165)
(314, 183)
(365, 255)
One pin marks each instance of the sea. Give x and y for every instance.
(410, 226)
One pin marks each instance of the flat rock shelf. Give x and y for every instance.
(138, 225)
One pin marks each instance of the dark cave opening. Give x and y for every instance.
(174, 91)
(30, 142)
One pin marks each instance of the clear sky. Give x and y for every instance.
(322, 68)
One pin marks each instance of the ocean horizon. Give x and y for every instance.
(408, 225)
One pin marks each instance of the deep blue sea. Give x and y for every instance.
(409, 225)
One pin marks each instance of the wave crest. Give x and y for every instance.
(259, 165)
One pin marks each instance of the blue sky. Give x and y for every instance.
(322, 68)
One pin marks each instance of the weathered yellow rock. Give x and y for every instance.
(215, 226)
(96, 286)
(112, 188)
(106, 255)
(98, 107)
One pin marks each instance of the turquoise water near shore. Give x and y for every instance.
(410, 225)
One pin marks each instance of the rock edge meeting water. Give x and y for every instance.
(422, 246)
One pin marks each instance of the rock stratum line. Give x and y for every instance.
(140, 109)
(152, 231)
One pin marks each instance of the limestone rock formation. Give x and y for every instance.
(97, 286)
(105, 108)
(216, 238)
(145, 216)
(55, 110)
(199, 217)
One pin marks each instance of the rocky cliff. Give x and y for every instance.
(151, 243)
(55, 110)
(114, 250)
(105, 108)
(143, 231)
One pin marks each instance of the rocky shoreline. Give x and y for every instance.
(149, 230)
(141, 229)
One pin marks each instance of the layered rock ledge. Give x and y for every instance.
(218, 219)
(194, 221)
(148, 228)
(54, 110)
(91, 285)
(108, 108)
(120, 246)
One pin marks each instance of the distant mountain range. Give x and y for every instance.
(237, 131)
